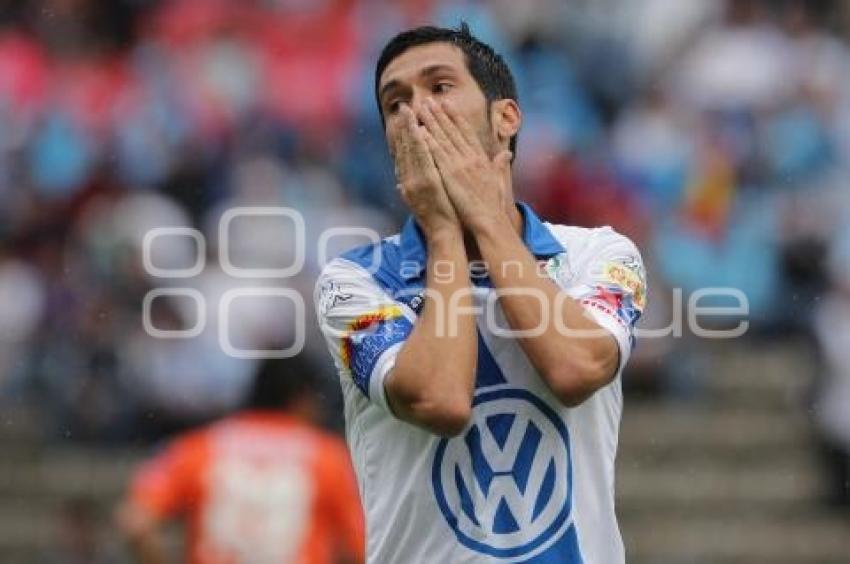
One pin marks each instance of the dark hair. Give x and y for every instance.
(278, 383)
(487, 67)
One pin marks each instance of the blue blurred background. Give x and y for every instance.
(715, 134)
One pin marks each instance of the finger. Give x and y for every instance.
(441, 160)
(462, 125)
(421, 151)
(402, 159)
(416, 145)
(404, 151)
(437, 150)
(396, 133)
(436, 129)
(409, 117)
(414, 133)
(445, 123)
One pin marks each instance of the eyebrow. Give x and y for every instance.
(427, 71)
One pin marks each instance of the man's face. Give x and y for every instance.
(436, 70)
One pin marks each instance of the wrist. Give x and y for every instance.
(488, 226)
(441, 235)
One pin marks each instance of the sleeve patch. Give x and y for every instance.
(614, 301)
(368, 337)
(330, 295)
(629, 276)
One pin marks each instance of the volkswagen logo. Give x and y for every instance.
(504, 486)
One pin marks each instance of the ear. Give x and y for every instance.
(506, 118)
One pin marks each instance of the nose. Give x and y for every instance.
(417, 98)
(417, 101)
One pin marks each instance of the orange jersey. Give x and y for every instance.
(257, 487)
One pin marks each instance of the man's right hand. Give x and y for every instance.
(419, 181)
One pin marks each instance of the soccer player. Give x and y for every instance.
(264, 485)
(479, 349)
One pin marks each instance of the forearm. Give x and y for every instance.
(433, 379)
(570, 351)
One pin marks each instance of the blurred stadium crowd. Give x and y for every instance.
(717, 135)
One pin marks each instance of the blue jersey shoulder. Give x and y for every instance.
(383, 261)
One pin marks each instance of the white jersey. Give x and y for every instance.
(529, 480)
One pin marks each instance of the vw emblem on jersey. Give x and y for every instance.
(504, 486)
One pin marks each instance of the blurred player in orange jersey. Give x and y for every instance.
(261, 486)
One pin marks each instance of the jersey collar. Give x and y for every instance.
(535, 234)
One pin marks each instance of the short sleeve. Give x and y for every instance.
(607, 277)
(364, 328)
